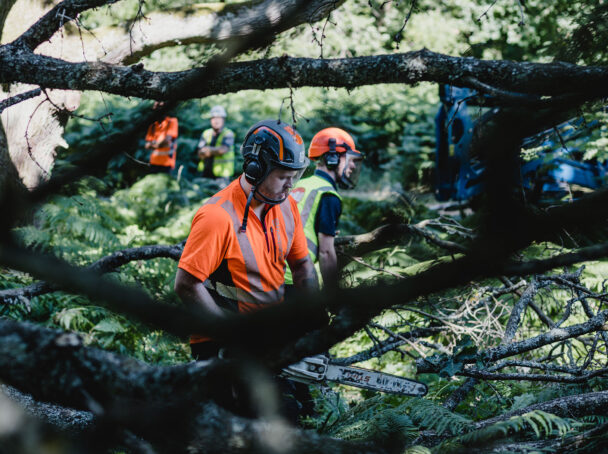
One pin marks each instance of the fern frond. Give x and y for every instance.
(417, 450)
(33, 237)
(383, 426)
(595, 419)
(540, 422)
(372, 420)
(431, 416)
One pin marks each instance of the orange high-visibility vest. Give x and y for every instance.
(243, 271)
(158, 131)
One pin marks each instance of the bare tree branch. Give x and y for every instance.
(409, 68)
(389, 344)
(490, 355)
(538, 266)
(18, 98)
(388, 234)
(543, 317)
(57, 17)
(202, 25)
(104, 265)
(485, 375)
(371, 241)
(518, 311)
(573, 444)
(460, 393)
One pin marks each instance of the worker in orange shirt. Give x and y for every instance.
(161, 138)
(244, 236)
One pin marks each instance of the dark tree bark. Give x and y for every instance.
(19, 64)
(158, 403)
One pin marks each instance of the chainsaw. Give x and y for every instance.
(319, 369)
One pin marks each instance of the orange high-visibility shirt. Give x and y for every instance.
(243, 271)
(158, 131)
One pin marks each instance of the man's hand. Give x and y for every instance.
(207, 152)
(304, 275)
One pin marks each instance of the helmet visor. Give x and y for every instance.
(352, 169)
(278, 184)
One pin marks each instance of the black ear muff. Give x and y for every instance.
(252, 167)
(332, 159)
(253, 171)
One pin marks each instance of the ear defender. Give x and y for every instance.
(331, 158)
(253, 172)
(253, 168)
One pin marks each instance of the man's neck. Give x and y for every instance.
(217, 131)
(256, 205)
(331, 173)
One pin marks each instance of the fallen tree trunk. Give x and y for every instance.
(170, 407)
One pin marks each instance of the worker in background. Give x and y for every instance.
(161, 138)
(244, 236)
(338, 165)
(216, 147)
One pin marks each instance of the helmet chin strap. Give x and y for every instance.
(260, 198)
(267, 200)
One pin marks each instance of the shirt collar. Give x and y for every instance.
(326, 176)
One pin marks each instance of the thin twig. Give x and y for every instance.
(6, 103)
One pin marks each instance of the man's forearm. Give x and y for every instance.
(304, 275)
(191, 290)
(328, 263)
(201, 297)
(328, 260)
(218, 151)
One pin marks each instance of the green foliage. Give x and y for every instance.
(583, 43)
(73, 227)
(83, 228)
(373, 420)
(428, 415)
(394, 126)
(542, 424)
(465, 350)
(595, 419)
(417, 450)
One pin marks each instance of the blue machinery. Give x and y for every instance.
(459, 176)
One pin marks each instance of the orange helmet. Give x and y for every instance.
(341, 143)
(327, 145)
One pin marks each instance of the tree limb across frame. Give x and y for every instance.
(354, 244)
(595, 324)
(547, 79)
(104, 265)
(66, 372)
(55, 366)
(353, 307)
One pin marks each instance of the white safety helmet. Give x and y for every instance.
(217, 111)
